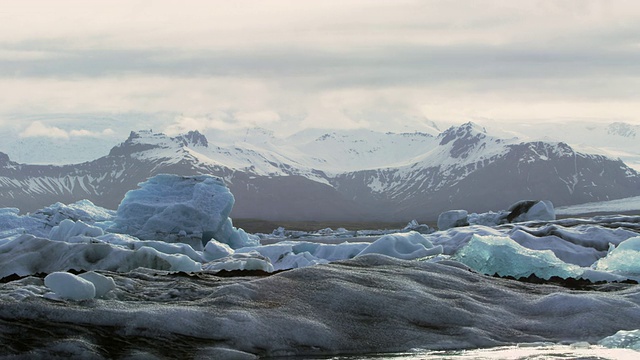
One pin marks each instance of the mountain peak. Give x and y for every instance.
(136, 142)
(4, 159)
(192, 138)
(466, 130)
(622, 129)
(464, 138)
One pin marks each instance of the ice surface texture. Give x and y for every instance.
(373, 303)
(168, 207)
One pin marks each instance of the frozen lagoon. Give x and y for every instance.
(166, 297)
(370, 304)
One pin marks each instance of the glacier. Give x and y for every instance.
(169, 264)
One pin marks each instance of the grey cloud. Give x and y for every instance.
(389, 65)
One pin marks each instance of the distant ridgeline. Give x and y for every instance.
(348, 176)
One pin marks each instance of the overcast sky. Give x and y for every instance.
(384, 65)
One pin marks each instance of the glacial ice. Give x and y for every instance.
(435, 302)
(175, 208)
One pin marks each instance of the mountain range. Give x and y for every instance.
(339, 175)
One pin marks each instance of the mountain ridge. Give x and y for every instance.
(399, 177)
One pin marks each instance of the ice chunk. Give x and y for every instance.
(103, 284)
(69, 286)
(529, 210)
(68, 228)
(452, 218)
(216, 250)
(505, 257)
(411, 245)
(623, 260)
(166, 206)
(622, 339)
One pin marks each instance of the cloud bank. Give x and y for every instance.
(385, 65)
(40, 129)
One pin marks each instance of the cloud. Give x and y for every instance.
(40, 129)
(88, 133)
(257, 117)
(288, 64)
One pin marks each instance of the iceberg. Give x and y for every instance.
(180, 209)
(503, 256)
(623, 259)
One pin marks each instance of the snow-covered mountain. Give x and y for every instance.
(348, 175)
(615, 139)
